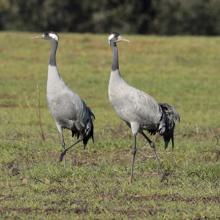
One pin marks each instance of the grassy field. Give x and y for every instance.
(183, 71)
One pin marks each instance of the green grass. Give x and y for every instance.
(183, 71)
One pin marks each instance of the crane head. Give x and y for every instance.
(48, 36)
(115, 37)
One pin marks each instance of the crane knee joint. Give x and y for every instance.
(152, 144)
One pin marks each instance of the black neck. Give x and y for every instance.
(53, 50)
(115, 64)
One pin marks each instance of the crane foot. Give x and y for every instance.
(62, 155)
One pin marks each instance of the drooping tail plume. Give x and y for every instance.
(89, 129)
(167, 125)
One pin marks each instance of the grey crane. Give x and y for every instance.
(139, 110)
(68, 110)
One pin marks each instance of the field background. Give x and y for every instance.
(183, 71)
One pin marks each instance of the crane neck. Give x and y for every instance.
(53, 50)
(115, 64)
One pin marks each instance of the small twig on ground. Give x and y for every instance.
(39, 114)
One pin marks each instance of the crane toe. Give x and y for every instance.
(62, 155)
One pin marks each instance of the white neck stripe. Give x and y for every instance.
(54, 36)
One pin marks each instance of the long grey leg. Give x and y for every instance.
(59, 128)
(153, 146)
(134, 151)
(62, 141)
(63, 145)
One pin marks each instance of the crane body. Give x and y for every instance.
(139, 110)
(68, 110)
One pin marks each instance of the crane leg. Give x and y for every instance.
(60, 130)
(63, 145)
(62, 141)
(65, 150)
(134, 151)
(153, 146)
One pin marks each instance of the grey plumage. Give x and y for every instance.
(67, 108)
(139, 110)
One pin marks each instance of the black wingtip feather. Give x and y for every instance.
(89, 133)
(169, 118)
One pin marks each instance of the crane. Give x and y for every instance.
(68, 110)
(139, 110)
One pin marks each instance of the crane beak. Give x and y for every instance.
(38, 37)
(120, 38)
